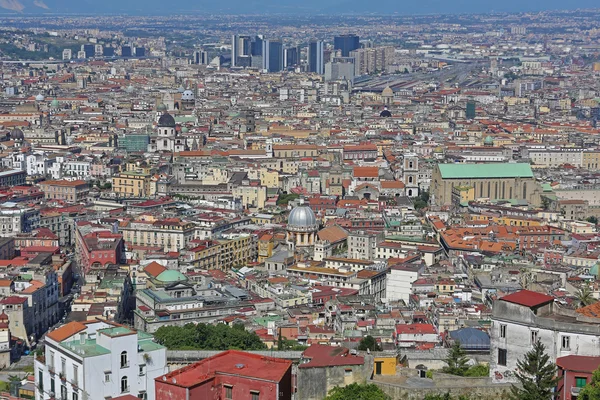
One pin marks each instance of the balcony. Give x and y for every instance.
(575, 391)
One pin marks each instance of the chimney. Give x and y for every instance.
(82, 338)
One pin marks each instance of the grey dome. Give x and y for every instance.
(166, 121)
(17, 134)
(39, 97)
(188, 95)
(161, 107)
(302, 217)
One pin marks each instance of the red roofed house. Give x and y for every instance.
(325, 367)
(575, 372)
(524, 317)
(411, 335)
(229, 375)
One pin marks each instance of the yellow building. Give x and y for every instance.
(265, 247)
(461, 195)
(251, 196)
(591, 159)
(269, 178)
(295, 150)
(384, 365)
(132, 184)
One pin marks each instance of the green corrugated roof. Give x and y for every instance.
(494, 170)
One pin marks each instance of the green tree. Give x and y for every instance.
(355, 391)
(584, 296)
(369, 342)
(478, 370)
(208, 337)
(591, 391)
(592, 220)
(536, 374)
(457, 360)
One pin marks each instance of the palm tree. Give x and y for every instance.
(584, 296)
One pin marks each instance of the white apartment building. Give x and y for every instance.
(400, 279)
(521, 318)
(95, 360)
(556, 158)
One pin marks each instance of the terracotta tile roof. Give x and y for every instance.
(332, 234)
(593, 310)
(366, 172)
(66, 331)
(528, 298)
(154, 269)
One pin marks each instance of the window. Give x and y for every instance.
(228, 392)
(502, 357)
(75, 396)
(51, 360)
(143, 396)
(107, 377)
(502, 330)
(566, 343)
(254, 395)
(124, 363)
(348, 372)
(124, 386)
(142, 372)
(534, 337)
(580, 381)
(52, 387)
(63, 392)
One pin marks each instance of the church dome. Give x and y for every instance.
(166, 121)
(188, 95)
(161, 107)
(184, 129)
(181, 89)
(55, 103)
(39, 97)
(385, 113)
(130, 89)
(17, 134)
(302, 218)
(489, 141)
(387, 92)
(171, 276)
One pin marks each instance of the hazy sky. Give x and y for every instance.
(293, 6)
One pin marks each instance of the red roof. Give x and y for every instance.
(231, 362)
(528, 298)
(415, 329)
(326, 356)
(578, 363)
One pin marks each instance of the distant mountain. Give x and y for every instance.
(285, 6)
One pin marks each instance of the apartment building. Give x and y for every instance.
(98, 360)
(132, 184)
(72, 191)
(170, 234)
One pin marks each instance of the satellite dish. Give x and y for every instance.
(174, 380)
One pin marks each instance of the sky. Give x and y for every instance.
(401, 7)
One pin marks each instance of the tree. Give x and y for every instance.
(591, 391)
(208, 337)
(369, 342)
(584, 296)
(592, 220)
(457, 360)
(355, 391)
(478, 370)
(536, 374)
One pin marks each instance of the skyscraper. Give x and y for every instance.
(200, 57)
(126, 51)
(257, 45)
(316, 62)
(291, 57)
(241, 46)
(272, 55)
(89, 50)
(346, 43)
